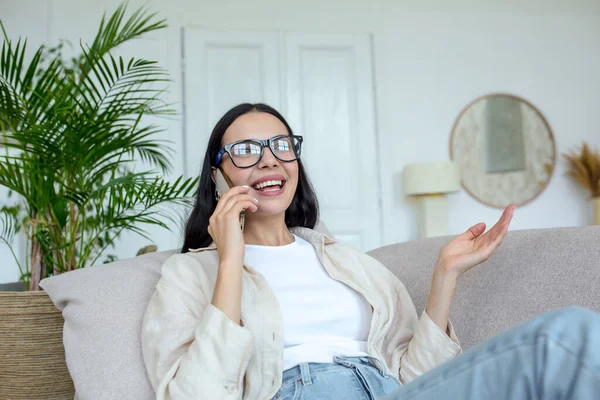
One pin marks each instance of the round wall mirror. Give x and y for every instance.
(504, 148)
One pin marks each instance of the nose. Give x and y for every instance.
(268, 159)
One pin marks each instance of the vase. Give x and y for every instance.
(596, 205)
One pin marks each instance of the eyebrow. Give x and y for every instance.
(271, 137)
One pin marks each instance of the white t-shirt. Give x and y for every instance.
(321, 316)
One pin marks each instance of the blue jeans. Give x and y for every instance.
(346, 378)
(553, 356)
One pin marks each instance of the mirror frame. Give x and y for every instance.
(544, 121)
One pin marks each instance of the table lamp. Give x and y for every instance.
(430, 183)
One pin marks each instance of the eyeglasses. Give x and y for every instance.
(247, 153)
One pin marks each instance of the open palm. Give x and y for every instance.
(473, 247)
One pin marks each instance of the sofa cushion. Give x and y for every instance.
(533, 271)
(103, 307)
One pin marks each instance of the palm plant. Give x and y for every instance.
(71, 133)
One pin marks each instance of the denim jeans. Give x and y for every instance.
(345, 378)
(553, 356)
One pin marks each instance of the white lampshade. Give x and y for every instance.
(431, 178)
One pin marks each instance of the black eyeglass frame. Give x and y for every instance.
(262, 143)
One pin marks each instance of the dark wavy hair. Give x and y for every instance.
(303, 211)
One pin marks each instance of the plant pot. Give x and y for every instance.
(596, 205)
(32, 354)
(13, 287)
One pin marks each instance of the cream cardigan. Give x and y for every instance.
(193, 351)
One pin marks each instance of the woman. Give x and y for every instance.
(282, 311)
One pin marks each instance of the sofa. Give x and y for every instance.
(102, 307)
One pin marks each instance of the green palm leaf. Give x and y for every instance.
(74, 134)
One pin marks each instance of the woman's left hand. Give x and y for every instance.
(473, 247)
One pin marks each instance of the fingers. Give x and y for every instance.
(497, 233)
(475, 231)
(231, 209)
(239, 203)
(231, 204)
(501, 227)
(506, 215)
(227, 195)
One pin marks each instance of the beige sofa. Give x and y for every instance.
(532, 272)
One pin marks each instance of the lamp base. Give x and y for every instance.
(433, 215)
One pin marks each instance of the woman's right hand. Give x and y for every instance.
(224, 224)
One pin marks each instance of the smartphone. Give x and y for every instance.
(223, 184)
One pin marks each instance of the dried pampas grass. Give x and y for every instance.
(585, 168)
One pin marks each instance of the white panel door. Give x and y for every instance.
(222, 69)
(329, 100)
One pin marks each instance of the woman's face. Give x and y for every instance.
(271, 200)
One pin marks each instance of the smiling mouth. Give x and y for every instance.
(270, 186)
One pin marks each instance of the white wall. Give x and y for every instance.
(430, 59)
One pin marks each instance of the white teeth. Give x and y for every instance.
(268, 183)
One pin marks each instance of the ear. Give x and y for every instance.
(213, 174)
